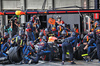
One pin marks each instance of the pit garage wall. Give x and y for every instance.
(37, 4)
(68, 19)
(11, 4)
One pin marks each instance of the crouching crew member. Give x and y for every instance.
(6, 46)
(63, 35)
(4, 39)
(43, 46)
(27, 54)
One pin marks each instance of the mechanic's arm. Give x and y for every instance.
(60, 36)
(35, 41)
(45, 45)
(25, 51)
(91, 42)
(75, 43)
(17, 24)
(76, 40)
(11, 24)
(48, 46)
(67, 29)
(86, 47)
(26, 25)
(32, 50)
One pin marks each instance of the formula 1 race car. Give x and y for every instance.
(56, 46)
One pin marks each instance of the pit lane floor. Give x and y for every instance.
(58, 63)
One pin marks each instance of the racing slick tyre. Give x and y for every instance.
(77, 55)
(79, 52)
(15, 54)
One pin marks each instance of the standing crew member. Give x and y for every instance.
(29, 29)
(97, 39)
(59, 20)
(67, 44)
(14, 26)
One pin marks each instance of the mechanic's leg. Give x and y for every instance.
(31, 36)
(3, 54)
(28, 34)
(91, 54)
(2, 49)
(63, 51)
(14, 33)
(24, 48)
(38, 56)
(70, 48)
(50, 55)
(26, 60)
(98, 51)
(5, 46)
(89, 49)
(1, 46)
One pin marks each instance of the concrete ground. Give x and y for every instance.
(58, 63)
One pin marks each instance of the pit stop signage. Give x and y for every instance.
(96, 15)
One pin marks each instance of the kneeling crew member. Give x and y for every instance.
(43, 45)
